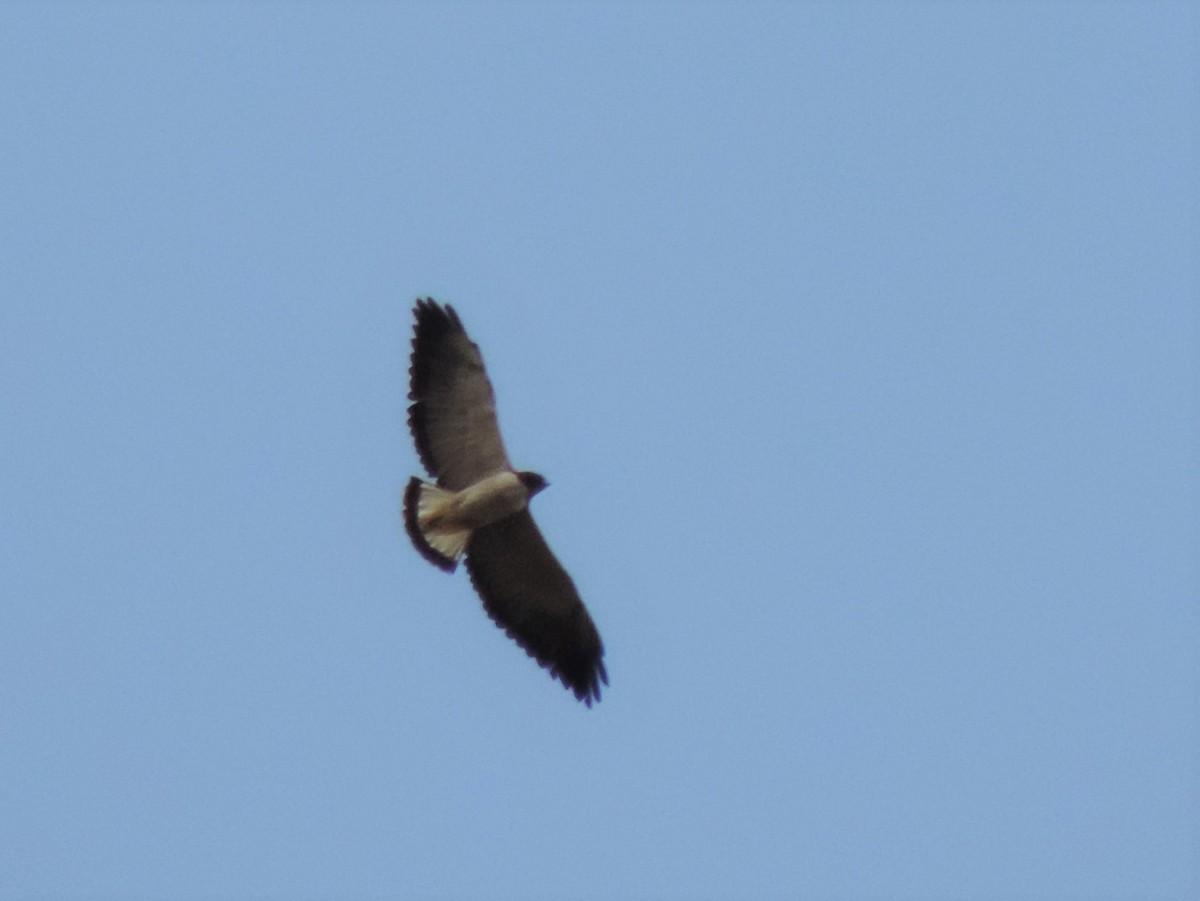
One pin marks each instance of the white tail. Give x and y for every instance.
(423, 504)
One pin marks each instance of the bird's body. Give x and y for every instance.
(445, 519)
(479, 507)
(481, 504)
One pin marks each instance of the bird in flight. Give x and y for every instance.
(479, 507)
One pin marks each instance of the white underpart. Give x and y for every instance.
(447, 518)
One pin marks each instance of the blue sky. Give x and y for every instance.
(858, 342)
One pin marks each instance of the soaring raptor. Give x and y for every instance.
(480, 507)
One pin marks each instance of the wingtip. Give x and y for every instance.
(428, 313)
(585, 682)
(591, 692)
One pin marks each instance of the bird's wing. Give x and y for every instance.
(453, 412)
(529, 595)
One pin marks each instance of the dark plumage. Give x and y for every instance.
(479, 507)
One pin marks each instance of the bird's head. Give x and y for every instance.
(532, 481)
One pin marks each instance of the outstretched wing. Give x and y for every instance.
(453, 412)
(529, 595)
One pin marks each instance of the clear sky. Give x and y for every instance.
(858, 342)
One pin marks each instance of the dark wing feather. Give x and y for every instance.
(529, 595)
(453, 412)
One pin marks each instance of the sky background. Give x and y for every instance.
(858, 341)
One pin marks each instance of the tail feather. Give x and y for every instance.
(421, 504)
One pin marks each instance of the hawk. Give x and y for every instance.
(479, 507)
